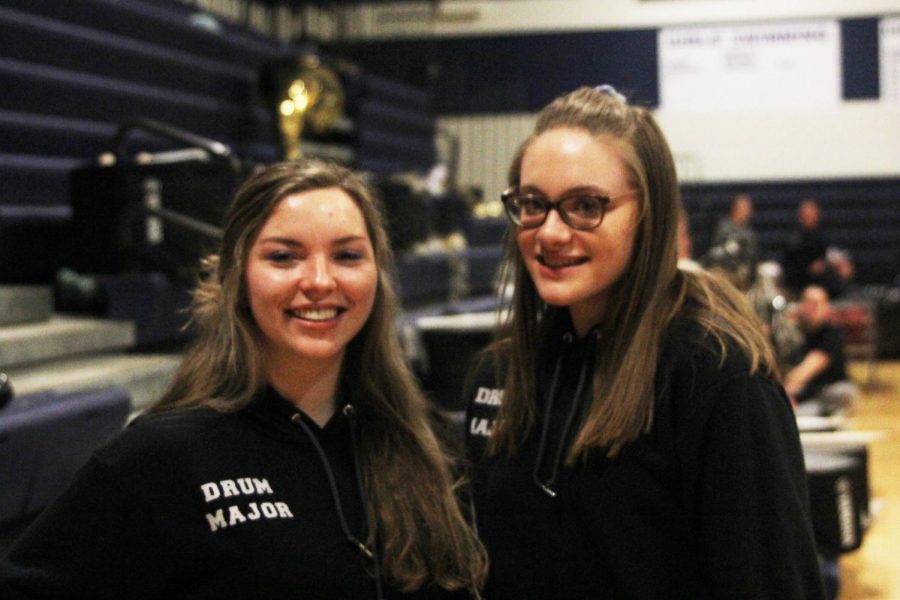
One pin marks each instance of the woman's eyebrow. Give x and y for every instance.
(579, 189)
(531, 190)
(280, 240)
(585, 189)
(349, 239)
(289, 241)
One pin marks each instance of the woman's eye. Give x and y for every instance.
(532, 206)
(586, 205)
(280, 256)
(349, 255)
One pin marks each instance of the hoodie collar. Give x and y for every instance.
(561, 342)
(272, 413)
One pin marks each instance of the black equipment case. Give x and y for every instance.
(839, 498)
(152, 211)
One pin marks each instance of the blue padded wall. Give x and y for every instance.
(859, 59)
(517, 72)
(522, 72)
(858, 215)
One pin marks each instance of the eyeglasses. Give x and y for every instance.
(578, 211)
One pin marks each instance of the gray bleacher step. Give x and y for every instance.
(145, 376)
(62, 336)
(25, 303)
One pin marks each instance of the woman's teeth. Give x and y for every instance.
(316, 314)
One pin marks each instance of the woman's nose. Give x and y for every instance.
(554, 231)
(317, 278)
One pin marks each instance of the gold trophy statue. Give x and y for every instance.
(304, 92)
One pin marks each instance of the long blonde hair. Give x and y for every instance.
(650, 293)
(408, 475)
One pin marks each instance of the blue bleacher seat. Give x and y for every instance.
(486, 232)
(156, 305)
(46, 437)
(423, 278)
(484, 263)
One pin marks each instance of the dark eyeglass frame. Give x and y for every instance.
(510, 195)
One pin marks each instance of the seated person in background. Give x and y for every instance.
(819, 378)
(733, 248)
(810, 259)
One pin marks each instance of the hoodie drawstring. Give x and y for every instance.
(370, 553)
(350, 413)
(547, 485)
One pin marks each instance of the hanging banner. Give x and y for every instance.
(775, 66)
(889, 59)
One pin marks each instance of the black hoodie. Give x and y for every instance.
(202, 504)
(712, 502)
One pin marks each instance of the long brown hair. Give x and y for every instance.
(651, 292)
(408, 475)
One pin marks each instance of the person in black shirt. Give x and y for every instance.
(820, 375)
(810, 259)
(628, 435)
(293, 455)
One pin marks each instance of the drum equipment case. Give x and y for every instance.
(152, 211)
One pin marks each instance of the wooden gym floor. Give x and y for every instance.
(873, 571)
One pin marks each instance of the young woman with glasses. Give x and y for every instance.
(629, 436)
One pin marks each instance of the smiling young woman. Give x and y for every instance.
(293, 455)
(311, 284)
(629, 436)
(577, 267)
